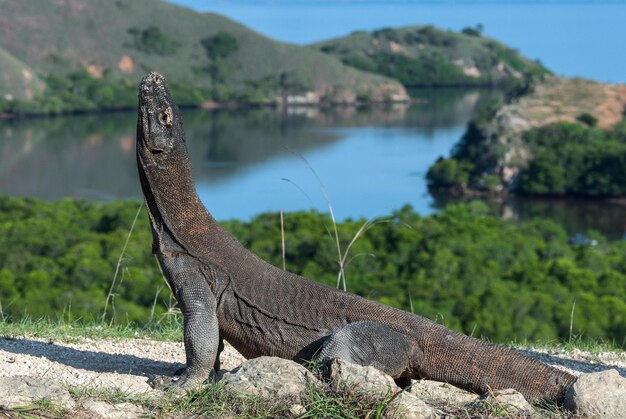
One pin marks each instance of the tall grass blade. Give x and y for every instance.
(282, 237)
(119, 262)
(571, 320)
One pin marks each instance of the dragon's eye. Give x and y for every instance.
(166, 118)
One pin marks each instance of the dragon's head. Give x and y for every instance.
(159, 127)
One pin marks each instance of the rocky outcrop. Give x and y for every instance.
(494, 144)
(280, 379)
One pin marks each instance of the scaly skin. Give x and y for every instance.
(227, 292)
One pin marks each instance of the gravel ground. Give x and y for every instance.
(123, 364)
(127, 364)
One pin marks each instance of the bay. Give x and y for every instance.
(364, 162)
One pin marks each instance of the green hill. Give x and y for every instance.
(420, 56)
(17, 80)
(91, 52)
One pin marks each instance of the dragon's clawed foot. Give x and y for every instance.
(182, 382)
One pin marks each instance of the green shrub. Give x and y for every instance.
(220, 46)
(587, 119)
(574, 159)
(79, 91)
(475, 31)
(431, 70)
(152, 40)
(447, 173)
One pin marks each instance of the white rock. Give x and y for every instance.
(369, 381)
(598, 395)
(408, 406)
(270, 377)
(22, 390)
(113, 411)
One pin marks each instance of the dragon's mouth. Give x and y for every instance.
(152, 90)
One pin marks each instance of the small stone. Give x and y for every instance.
(510, 399)
(443, 392)
(408, 406)
(297, 409)
(113, 411)
(367, 381)
(270, 377)
(598, 395)
(23, 389)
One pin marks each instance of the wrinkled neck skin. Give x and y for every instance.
(180, 222)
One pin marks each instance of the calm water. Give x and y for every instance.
(369, 162)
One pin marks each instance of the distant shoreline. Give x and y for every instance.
(208, 106)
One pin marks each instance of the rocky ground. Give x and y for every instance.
(32, 368)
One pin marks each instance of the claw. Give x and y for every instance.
(179, 384)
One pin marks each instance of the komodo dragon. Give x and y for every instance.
(227, 292)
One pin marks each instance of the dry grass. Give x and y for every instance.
(561, 99)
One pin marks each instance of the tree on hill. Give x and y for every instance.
(220, 45)
(152, 40)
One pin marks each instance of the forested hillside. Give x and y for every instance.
(425, 56)
(463, 268)
(90, 54)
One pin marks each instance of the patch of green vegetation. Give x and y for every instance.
(220, 45)
(471, 271)
(472, 156)
(424, 56)
(13, 83)
(575, 342)
(573, 159)
(587, 119)
(169, 328)
(427, 71)
(517, 62)
(449, 173)
(81, 92)
(152, 40)
(473, 31)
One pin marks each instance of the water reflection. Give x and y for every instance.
(82, 156)
(92, 156)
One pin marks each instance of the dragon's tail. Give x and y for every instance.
(479, 366)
